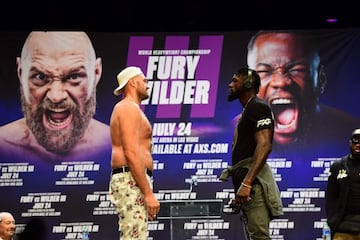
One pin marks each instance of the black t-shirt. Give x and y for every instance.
(353, 202)
(256, 115)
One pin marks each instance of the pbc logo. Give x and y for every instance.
(263, 122)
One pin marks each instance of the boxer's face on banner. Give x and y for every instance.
(57, 101)
(286, 82)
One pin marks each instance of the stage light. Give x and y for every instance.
(331, 20)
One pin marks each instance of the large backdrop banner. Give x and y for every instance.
(54, 126)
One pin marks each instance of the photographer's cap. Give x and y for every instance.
(124, 76)
(355, 133)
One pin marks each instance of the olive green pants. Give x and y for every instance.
(256, 214)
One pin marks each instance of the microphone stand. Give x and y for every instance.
(193, 183)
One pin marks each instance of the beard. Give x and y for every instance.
(63, 140)
(233, 96)
(355, 154)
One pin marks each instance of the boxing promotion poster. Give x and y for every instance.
(55, 110)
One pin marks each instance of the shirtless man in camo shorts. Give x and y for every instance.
(131, 189)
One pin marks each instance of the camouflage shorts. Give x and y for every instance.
(128, 201)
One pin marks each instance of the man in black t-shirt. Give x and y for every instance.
(343, 193)
(251, 147)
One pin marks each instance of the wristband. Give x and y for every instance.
(245, 185)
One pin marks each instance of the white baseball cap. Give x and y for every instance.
(124, 76)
